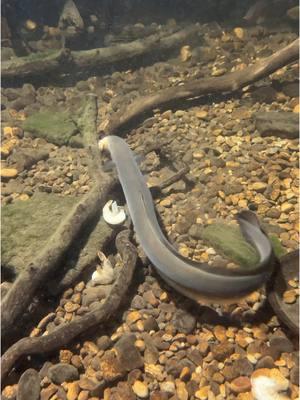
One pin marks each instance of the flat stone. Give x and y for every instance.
(265, 362)
(222, 350)
(140, 389)
(128, 355)
(282, 344)
(48, 392)
(60, 373)
(29, 385)
(8, 173)
(168, 387)
(181, 390)
(277, 123)
(94, 294)
(183, 321)
(56, 127)
(104, 342)
(294, 375)
(241, 384)
(73, 390)
(111, 367)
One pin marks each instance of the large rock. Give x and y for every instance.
(27, 226)
(29, 385)
(277, 123)
(55, 127)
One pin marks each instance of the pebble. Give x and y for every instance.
(183, 321)
(202, 393)
(140, 389)
(241, 384)
(60, 373)
(73, 390)
(185, 53)
(259, 187)
(168, 387)
(222, 351)
(239, 33)
(128, 355)
(8, 173)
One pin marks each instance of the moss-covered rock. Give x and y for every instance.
(229, 241)
(279, 251)
(27, 226)
(55, 127)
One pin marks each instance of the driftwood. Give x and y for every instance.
(65, 333)
(227, 83)
(21, 293)
(64, 60)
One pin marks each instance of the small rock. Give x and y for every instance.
(265, 362)
(29, 385)
(8, 173)
(60, 373)
(202, 393)
(181, 390)
(92, 294)
(222, 350)
(239, 33)
(104, 342)
(183, 321)
(168, 387)
(73, 390)
(294, 376)
(110, 367)
(185, 53)
(128, 355)
(241, 384)
(140, 389)
(150, 298)
(281, 343)
(259, 187)
(48, 392)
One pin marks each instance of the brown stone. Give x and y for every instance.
(110, 366)
(241, 384)
(222, 350)
(73, 390)
(48, 392)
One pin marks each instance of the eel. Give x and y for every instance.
(193, 279)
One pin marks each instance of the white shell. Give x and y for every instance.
(104, 274)
(113, 214)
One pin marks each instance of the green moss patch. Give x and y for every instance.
(228, 240)
(55, 127)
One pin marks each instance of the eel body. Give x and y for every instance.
(183, 274)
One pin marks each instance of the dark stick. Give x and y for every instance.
(65, 333)
(226, 83)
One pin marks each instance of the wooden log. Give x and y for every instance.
(61, 61)
(227, 83)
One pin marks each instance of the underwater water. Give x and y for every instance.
(169, 269)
